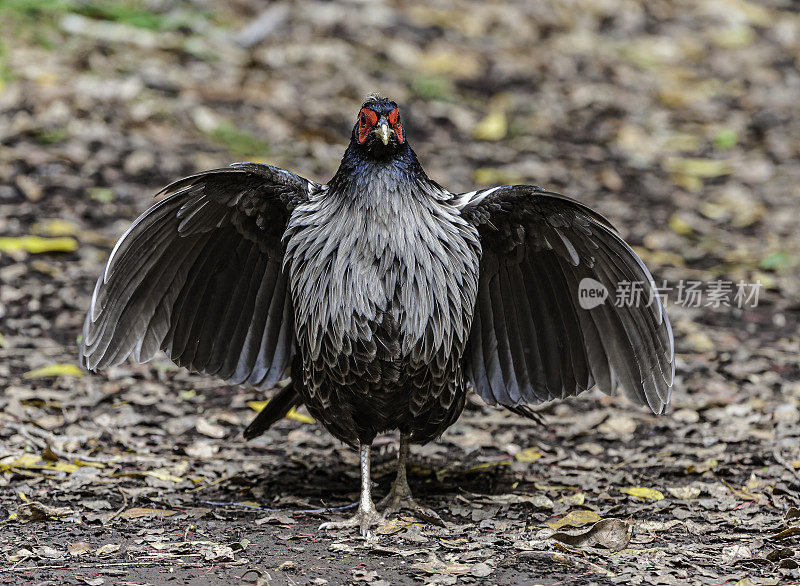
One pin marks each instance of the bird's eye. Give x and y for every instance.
(363, 119)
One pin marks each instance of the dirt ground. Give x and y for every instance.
(678, 120)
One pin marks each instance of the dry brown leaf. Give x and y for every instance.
(613, 534)
(576, 518)
(78, 548)
(618, 424)
(209, 429)
(684, 492)
(138, 512)
(34, 511)
(435, 566)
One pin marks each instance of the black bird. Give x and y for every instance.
(382, 294)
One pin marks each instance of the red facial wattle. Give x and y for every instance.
(394, 122)
(367, 119)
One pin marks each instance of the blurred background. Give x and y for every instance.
(679, 120)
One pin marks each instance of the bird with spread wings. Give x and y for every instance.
(382, 295)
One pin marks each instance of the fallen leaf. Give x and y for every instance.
(78, 548)
(481, 570)
(277, 519)
(435, 566)
(162, 474)
(786, 533)
(548, 557)
(201, 449)
(138, 512)
(576, 518)
(658, 525)
(546, 487)
(779, 554)
(107, 549)
(216, 552)
(34, 511)
(492, 175)
(618, 424)
(209, 429)
(37, 244)
(678, 225)
(528, 455)
(21, 554)
(539, 501)
(395, 526)
(613, 534)
(45, 551)
(493, 127)
(736, 552)
(364, 575)
(704, 466)
(55, 227)
(643, 493)
(54, 370)
(686, 416)
(36, 462)
(576, 499)
(697, 167)
(684, 492)
(48, 454)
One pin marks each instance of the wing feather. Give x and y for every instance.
(200, 276)
(531, 340)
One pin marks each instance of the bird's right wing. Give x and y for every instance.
(200, 276)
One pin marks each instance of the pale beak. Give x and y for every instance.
(384, 132)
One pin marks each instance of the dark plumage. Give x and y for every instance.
(381, 293)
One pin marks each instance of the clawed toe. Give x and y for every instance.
(393, 504)
(364, 520)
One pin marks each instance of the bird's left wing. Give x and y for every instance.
(533, 337)
(200, 275)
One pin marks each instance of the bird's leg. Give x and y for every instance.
(399, 496)
(367, 515)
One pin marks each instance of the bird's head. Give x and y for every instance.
(378, 129)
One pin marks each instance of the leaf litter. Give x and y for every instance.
(676, 123)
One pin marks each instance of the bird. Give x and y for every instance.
(382, 296)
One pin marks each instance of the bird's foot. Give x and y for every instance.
(400, 499)
(364, 519)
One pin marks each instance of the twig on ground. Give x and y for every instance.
(288, 512)
(119, 511)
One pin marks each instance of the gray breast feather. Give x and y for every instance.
(357, 260)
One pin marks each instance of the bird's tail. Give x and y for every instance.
(275, 410)
(526, 412)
